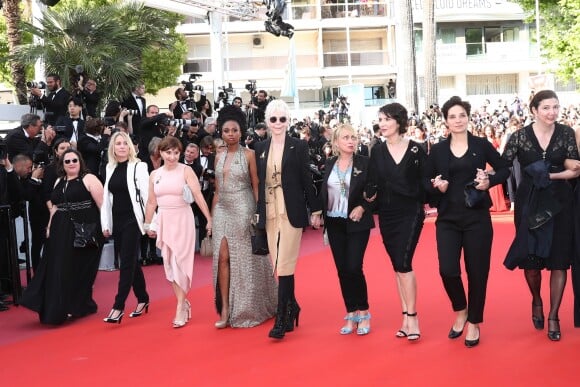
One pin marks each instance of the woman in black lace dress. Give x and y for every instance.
(545, 150)
(63, 286)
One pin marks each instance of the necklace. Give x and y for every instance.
(342, 176)
(395, 142)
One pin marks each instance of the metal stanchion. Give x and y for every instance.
(26, 241)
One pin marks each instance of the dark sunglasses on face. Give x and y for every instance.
(74, 161)
(281, 119)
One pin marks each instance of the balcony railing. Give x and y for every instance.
(255, 63)
(340, 59)
(375, 8)
(493, 51)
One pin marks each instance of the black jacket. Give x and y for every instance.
(18, 143)
(358, 182)
(479, 150)
(297, 185)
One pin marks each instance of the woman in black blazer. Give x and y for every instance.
(348, 221)
(285, 193)
(452, 164)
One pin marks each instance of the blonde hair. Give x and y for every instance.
(337, 132)
(111, 152)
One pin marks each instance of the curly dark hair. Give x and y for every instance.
(397, 112)
(455, 101)
(232, 113)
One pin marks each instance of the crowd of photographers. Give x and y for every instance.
(71, 119)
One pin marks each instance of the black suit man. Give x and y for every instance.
(135, 101)
(25, 140)
(55, 101)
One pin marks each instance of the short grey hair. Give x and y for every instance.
(277, 105)
(208, 121)
(29, 119)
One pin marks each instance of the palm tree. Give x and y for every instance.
(407, 76)
(12, 14)
(430, 52)
(108, 41)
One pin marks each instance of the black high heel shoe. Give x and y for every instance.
(293, 315)
(554, 335)
(474, 342)
(139, 311)
(114, 320)
(453, 334)
(538, 321)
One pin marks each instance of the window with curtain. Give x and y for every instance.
(492, 84)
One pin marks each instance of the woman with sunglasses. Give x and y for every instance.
(285, 193)
(122, 215)
(63, 285)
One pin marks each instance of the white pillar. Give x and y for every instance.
(38, 10)
(217, 57)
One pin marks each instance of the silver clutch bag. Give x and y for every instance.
(187, 194)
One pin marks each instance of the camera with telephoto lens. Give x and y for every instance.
(178, 122)
(251, 86)
(209, 174)
(36, 85)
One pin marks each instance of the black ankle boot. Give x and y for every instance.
(293, 315)
(279, 329)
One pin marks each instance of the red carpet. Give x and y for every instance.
(148, 352)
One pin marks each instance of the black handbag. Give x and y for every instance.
(474, 198)
(85, 235)
(259, 241)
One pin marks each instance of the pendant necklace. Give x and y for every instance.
(342, 176)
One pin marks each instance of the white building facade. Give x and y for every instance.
(485, 48)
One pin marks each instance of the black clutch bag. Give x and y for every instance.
(259, 241)
(474, 198)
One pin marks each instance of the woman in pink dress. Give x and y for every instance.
(174, 226)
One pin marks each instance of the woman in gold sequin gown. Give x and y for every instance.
(244, 284)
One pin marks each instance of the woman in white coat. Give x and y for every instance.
(122, 215)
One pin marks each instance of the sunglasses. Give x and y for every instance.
(74, 161)
(281, 119)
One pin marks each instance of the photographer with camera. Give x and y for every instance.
(55, 102)
(342, 109)
(259, 105)
(91, 98)
(136, 104)
(153, 125)
(30, 179)
(9, 193)
(25, 139)
(206, 163)
(189, 133)
(183, 103)
(260, 134)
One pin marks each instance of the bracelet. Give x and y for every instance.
(146, 226)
